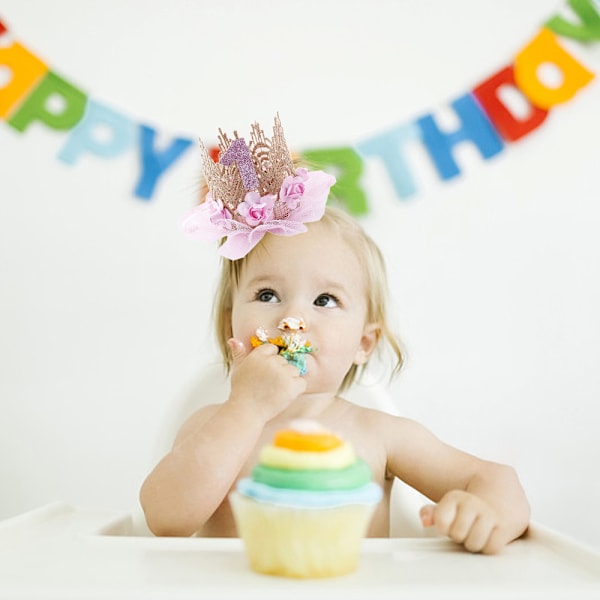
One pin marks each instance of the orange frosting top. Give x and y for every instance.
(306, 442)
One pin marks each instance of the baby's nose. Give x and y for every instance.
(291, 324)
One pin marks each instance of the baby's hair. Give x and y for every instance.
(373, 267)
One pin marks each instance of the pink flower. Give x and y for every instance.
(256, 209)
(292, 188)
(208, 221)
(217, 211)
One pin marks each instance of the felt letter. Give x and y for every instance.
(102, 132)
(509, 127)
(38, 105)
(475, 127)
(26, 71)
(388, 146)
(156, 162)
(544, 48)
(347, 166)
(586, 31)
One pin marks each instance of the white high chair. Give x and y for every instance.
(212, 386)
(61, 552)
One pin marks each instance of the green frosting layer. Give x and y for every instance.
(348, 478)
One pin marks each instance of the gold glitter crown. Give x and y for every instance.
(271, 163)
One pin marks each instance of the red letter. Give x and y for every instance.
(508, 125)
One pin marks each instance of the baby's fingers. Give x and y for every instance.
(494, 541)
(466, 520)
(459, 527)
(480, 537)
(236, 349)
(426, 514)
(441, 515)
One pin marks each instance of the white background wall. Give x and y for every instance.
(104, 305)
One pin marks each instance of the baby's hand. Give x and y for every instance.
(264, 378)
(466, 519)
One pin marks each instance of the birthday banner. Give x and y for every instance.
(35, 92)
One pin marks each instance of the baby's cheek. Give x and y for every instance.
(241, 328)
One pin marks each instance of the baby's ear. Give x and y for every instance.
(368, 343)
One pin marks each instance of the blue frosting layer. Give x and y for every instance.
(367, 494)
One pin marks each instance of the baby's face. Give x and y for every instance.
(315, 277)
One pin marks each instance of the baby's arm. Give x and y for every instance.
(479, 504)
(189, 484)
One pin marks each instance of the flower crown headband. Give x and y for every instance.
(254, 190)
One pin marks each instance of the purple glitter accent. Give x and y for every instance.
(238, 153)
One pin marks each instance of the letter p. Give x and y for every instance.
(102, 132)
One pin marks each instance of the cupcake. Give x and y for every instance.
(307, 505)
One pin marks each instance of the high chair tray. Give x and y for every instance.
(59, 552)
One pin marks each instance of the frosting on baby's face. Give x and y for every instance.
(292, 344)
(291, 324)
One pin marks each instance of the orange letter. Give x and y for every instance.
(544, 48)
(26, 70)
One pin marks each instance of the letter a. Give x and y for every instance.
(544, 48)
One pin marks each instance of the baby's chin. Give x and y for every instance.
(316, 386)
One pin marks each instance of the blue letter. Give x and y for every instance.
(476, 128)
(388, 146)
(154, 164)
(97, 119)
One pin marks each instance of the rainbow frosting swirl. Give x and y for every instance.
(307, 466)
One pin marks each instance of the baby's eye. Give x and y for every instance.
(266, 296)
(326, 300)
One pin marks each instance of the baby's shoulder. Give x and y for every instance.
(383, 423)
(370, 417)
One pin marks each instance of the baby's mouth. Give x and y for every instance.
(293, 346)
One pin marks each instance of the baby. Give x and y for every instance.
(326, 284)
